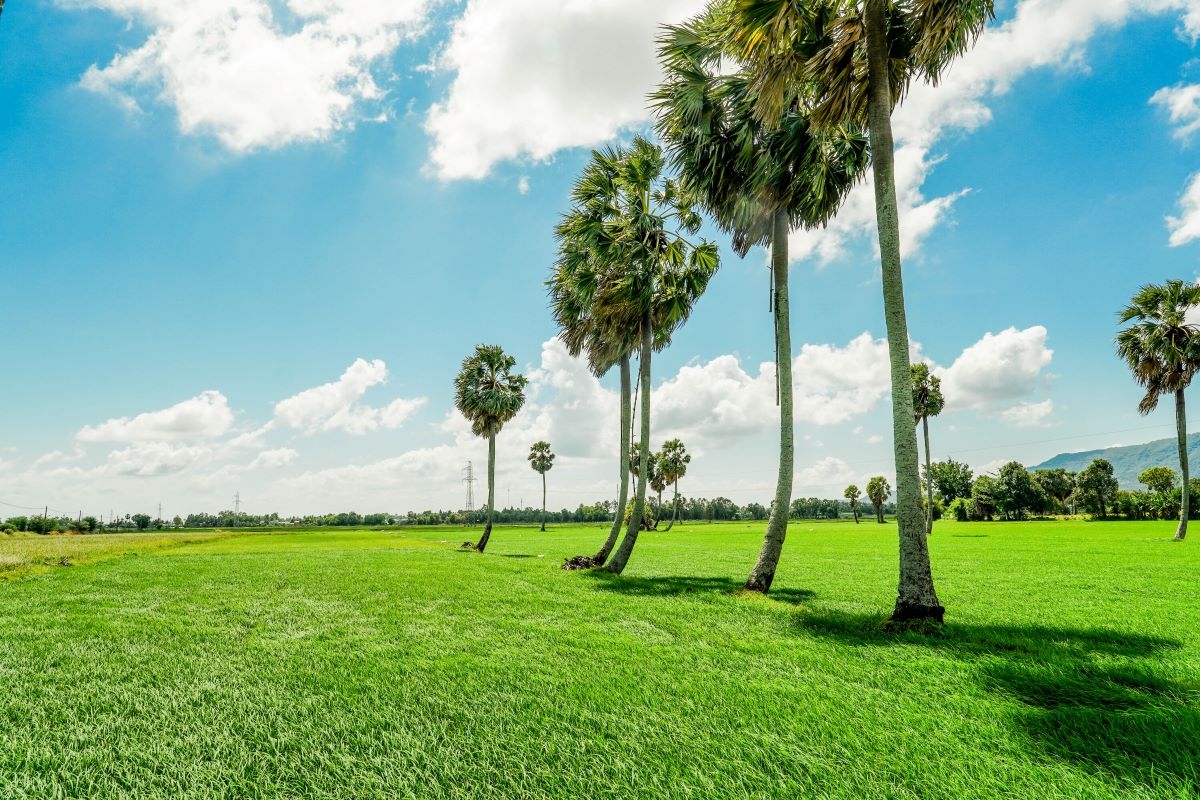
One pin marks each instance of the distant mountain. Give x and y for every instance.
(1129, 461)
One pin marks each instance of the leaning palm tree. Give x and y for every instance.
(758, 181)
(1162, 350)
(489, 394)
(850, 62)
(541, 460)
(632, 222)
(927, 402)
(673, 462)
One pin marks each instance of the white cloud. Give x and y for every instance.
(205, 416)
(532, 77)
(1028, 415)
(154, 459)
(1186, 227)
(523, 185)
(335, 406)
(257, 73)
(823, 477)
(1182, 102)
(273, 459)
(999, 367)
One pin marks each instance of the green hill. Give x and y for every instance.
(1129, 461)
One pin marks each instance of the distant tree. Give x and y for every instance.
(985, 493)
(541, 460)
(1162, 350)
(672, 465)
(1016, 490)
(755, 511)
(142, 521)
(1098, 486)
(488, 393)
(91, 524)
(927, 402)
(950, 479)
(852, 494)
(658, 483)
(1057, 483)
(878, 490)
(1160, 480)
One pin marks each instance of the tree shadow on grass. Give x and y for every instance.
(1088, 697)
(674, 585)
(517, 555)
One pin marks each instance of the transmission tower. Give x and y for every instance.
(469, 480)
(237, 507)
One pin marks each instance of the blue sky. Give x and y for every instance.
(214, 212)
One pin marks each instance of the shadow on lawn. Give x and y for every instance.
(674, 585)
(1086, 696)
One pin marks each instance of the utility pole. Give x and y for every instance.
(237, 507)
(469, 480)
(160, 511)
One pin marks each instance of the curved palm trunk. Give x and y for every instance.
(854, 511)
(763, 573)
(621, 558)
(928, 482)
(487, 529)
(915, 598)
(674, 509)
(543, 502)
(623, 498)
(1181, 430)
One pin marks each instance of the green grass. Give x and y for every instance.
(391, 665)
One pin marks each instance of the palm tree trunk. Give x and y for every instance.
(674, 509)
(1184, 498)
(621, 557)
(487, 529)
(915, 598)
(543, 502)
(623, 497)
(928, 482)
(763, 573)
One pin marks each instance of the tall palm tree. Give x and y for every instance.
(850, 62)
(927, 402)
(489, 394)
(541, 460)
(672, 465)
(632, 221)
(757, 181)
(1162, 350)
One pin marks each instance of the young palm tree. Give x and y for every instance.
(1162, 350)
(541, 460)
(672, 465)
(489, 394)
(878, 490)
(632, 222)
(850, 62)
(927, 402)
(758, 181)
(852, 494)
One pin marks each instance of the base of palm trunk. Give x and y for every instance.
(1179, 537)
(483, 540)
(908, 615)
(582, 562)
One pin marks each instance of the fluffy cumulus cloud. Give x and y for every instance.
(997, 370)
(532, 77)
(336, 406)
(824, 477)
(257, 73)
(1182, 104)
(1186, 227)
(273, 459)
(1028, 415)
(205, 416)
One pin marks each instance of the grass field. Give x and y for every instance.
(389, 664)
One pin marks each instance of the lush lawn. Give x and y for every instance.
(390, 664)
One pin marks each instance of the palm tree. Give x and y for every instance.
(541, 460)
(852, 494)
(652, 476)
(672, 465)
(630, 221)
(658, 483)
(758, 181)
(1162, 350)
(878, 490)
(489, 394)
(850, 62)
(927, 402)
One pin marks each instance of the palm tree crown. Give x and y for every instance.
(487, 391)
(540, 457)
(927, 392)
(1162, 347)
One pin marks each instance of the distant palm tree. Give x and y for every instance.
(849, 62)
(758, 181)
(852, 494)
(673, 462)
(927, 402)
(489, 394)
(541, 460)
(878, 490)
(1162, 349)
(632, 221)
